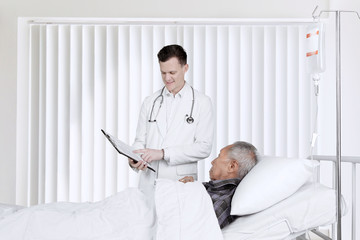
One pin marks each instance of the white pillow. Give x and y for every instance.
(270, 181)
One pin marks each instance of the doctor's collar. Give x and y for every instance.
(181, 93)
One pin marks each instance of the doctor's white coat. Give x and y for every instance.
(184, 144)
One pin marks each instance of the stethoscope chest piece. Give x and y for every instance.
(190, 120)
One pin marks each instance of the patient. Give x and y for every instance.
(228, 169)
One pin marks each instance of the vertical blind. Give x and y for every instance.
(86, 77)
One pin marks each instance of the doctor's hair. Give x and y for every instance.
(245, 154)
(171, 51)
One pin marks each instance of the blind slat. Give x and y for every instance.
(100, 73)
(34, 114)
(87, 102)
(75, 113)
(269, 89)
(64, 114)
(281, 87)
(245, 84)
(234, 83)
(257, 88)
(51, 114)
(222, 100)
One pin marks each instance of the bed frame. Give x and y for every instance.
(337, 226)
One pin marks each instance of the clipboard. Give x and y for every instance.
(124, 148)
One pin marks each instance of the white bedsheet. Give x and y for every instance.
(183, 211)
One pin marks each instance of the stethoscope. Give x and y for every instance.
(189, 119)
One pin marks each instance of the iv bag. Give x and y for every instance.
(315, 56)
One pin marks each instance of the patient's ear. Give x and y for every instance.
(233, 166)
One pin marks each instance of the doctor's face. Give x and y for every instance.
(219, 169)
(173, 74)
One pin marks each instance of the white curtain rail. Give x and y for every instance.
(171, 21)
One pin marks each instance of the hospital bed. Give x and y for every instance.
(278, 199)
(291, 202)
(311, 206)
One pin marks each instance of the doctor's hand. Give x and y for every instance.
(141, 165)
(149, 155)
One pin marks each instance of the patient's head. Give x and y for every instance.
(234, 161)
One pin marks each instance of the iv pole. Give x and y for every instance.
(338, 114)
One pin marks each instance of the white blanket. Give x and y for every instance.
(185, 211)
(180, 211)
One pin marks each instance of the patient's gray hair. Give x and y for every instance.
(245, 154)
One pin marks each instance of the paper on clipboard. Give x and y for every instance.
(124, 148)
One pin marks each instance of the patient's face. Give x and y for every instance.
(219, 169)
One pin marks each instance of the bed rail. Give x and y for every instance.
(353, 161)
(320, 234)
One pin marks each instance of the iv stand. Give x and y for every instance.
(338, 114)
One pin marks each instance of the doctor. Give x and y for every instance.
(176, 124)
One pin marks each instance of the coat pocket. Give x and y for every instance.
(186, 169)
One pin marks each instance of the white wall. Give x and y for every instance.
(10, 10)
